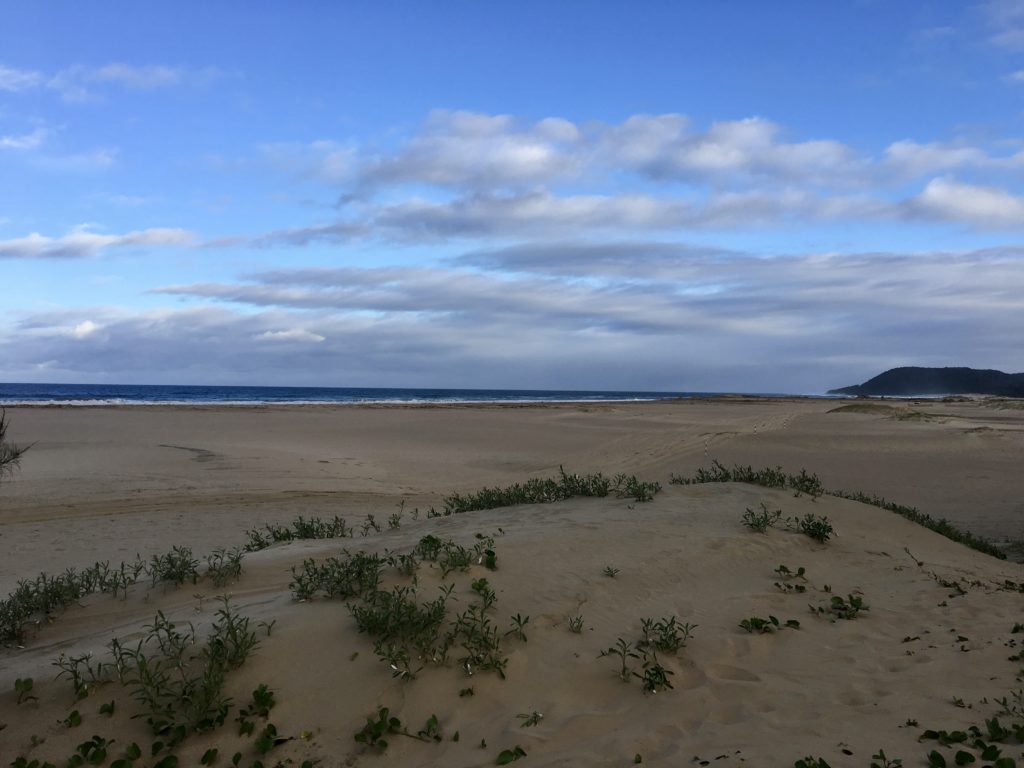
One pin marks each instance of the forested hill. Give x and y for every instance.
(909, 381)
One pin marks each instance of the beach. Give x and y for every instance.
(930, 645)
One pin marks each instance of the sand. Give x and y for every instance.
(107, 483)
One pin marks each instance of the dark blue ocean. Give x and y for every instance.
(121, 394)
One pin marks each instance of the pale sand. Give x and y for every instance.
(98, 485)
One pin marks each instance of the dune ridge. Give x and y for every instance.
(935, 631)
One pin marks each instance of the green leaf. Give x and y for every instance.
(935, 760)
(209, 757)
(991, 752)
(963, 757)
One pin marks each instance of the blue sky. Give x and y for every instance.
(686, 196)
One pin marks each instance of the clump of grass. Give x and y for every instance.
(175, 567)
(811, 484)
(406, 630)
(816, 527)
(300, 528)
(610, 572)
(224, 566)
(179, 682)
(547, 490)
(666, 634)
(10, 454)
(624, 651)
(351, 575)
(763, 520)
(176, 678)
(409, 633)
(575, 624)
(39, 600)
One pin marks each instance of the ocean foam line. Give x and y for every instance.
(108, 402)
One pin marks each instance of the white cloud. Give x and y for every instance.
(76, 83)
(14, 80)
(562, 314)
(468, 149)
(142, 78)
(530, 213)
(980, 206)
(663, 146)
(79, 83)
(82, 242)
(295, 334)
(1006, 17)
(31, 140)
(1016, 77)
(80, 162)
(84, 329)
(911, 159)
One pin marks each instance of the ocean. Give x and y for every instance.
(150, 394)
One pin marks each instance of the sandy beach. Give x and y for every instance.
(928, 651)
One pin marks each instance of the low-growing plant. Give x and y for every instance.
(374, 732)
(654, 677)
(454, 557)
(756, 624)
(431, 730)
(666, 634)
(545, 491)
(262, 702)
(376, 729)
(624, 651)
(816, 527)
(81, 672)
(519, 627)
(23, 689)
(763, 520)
(610, 572)
(575, 624)
(531, 719)
(507, 756)
(804, 482)
(840, 608)
(224, 566)
(486, 594)
(489, 560)
(175, 567)
(785, 572)
(787, 575)
(352, 575)
(811, 762)
(879, 760)
(177, 681)
(301, 528)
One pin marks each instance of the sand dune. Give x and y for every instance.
(757, 699)
(931, 648)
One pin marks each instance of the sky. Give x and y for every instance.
(728, 196)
